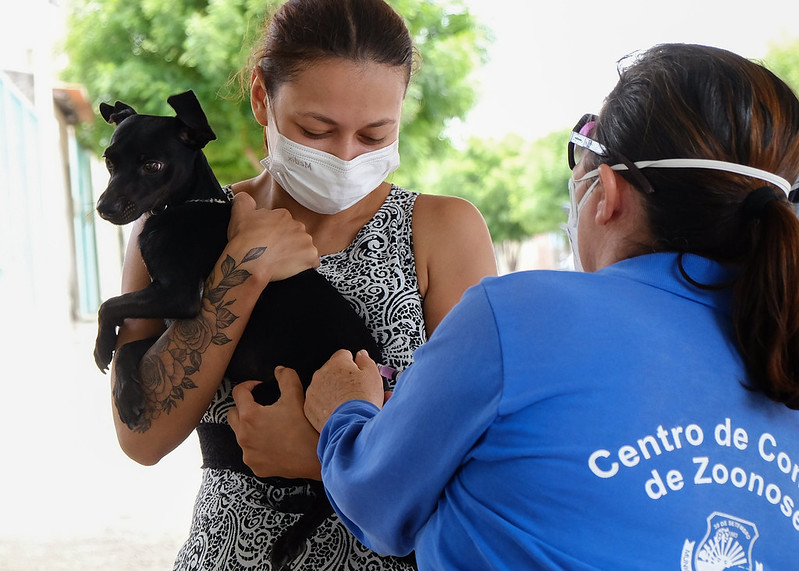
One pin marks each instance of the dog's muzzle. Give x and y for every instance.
(117, 212)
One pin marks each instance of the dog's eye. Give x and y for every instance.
(152, 167)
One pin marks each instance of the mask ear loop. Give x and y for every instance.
(269, 118)
(636, 173)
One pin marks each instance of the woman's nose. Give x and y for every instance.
(347, 149)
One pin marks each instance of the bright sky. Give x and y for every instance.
(554, 60)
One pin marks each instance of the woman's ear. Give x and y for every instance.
(612, 188)
(258, 97)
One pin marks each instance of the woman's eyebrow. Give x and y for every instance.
(329, 121)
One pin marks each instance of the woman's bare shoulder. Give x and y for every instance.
(437, 214)
(453, 251)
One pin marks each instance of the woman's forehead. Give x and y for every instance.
(344, 90)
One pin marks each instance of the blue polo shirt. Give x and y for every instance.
(575, 421)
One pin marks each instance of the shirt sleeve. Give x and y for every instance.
(385, 471)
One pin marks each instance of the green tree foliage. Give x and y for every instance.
(783, 60)
(141, 52)
(450, 44)
(520, 186)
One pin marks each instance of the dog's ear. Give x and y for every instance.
(116, 114)
(195, 131)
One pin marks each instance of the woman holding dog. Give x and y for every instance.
(327, 87)
(640, 416)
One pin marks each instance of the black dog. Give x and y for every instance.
(157, 166)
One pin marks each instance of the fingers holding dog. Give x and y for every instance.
(276, 440)
(339, 380)
(271, 243)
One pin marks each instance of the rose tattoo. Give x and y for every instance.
(166, 372)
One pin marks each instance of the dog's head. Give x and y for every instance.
(152, 160)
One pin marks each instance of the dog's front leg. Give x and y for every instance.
(156, 301)
(106, 336)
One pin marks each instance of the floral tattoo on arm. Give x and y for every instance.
(166, 373)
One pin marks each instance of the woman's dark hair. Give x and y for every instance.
(690, 101)
(304, 32)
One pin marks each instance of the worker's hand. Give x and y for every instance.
(339, 380)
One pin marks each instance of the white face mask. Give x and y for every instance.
(574, 214)
(323, 182)
(575, 207)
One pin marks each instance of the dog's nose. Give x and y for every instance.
(116, 210)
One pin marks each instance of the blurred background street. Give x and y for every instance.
(70, 498)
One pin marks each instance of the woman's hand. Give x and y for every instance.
(277, 440)
(273, 244)
(339, 380)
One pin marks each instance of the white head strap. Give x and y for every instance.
(736, 168)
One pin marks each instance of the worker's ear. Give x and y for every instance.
(614, 193)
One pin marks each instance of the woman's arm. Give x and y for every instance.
(179, 384)
(386, 472)
(453, 252)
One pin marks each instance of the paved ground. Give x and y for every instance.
(69, 498)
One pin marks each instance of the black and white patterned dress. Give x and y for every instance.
(236, 515)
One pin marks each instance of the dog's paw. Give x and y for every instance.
(101, 359)
(104, 347)
(130, 402)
